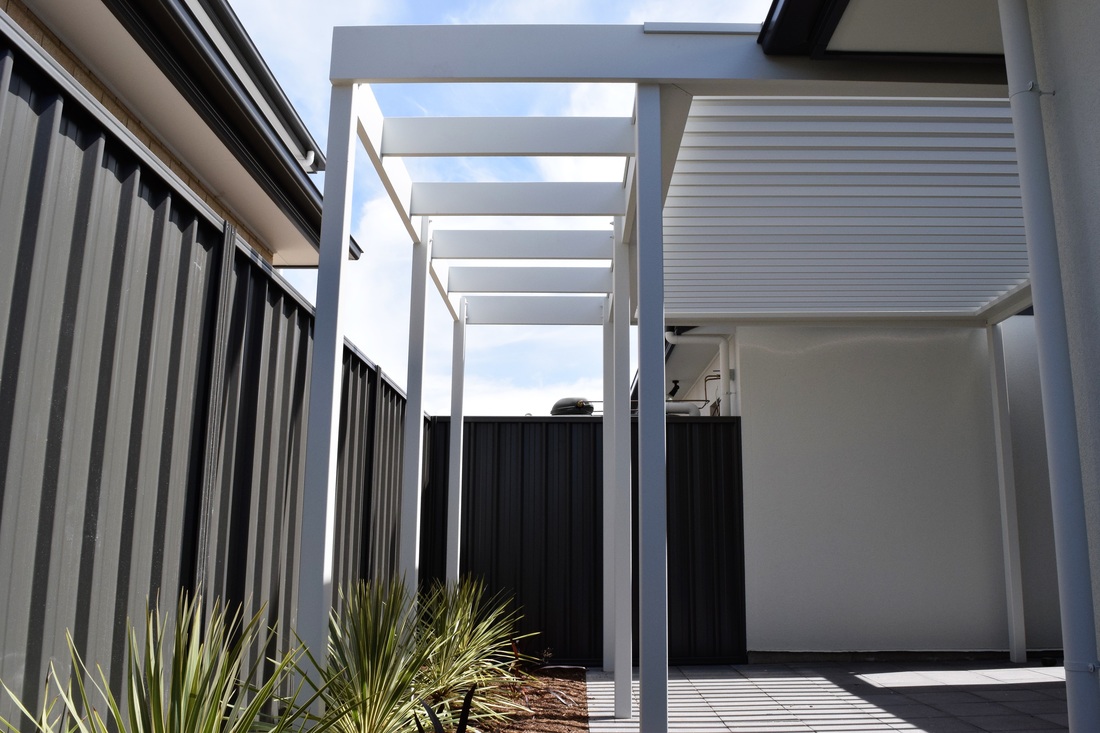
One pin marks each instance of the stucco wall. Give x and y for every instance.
(1068, 56)
(871, 506)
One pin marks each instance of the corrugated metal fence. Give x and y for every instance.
(532, 528)
(153, 394)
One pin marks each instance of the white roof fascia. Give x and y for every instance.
(540, 244)
(507, 136)
(529, 310)
(517, 199)
(620, 54)
(391, 171)
(529, 280)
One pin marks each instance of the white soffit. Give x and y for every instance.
(812, 207)
(90, 30)
(928, 26)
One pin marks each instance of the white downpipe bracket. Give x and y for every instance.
(723, 344)
(1055, 376)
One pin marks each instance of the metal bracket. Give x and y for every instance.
(1032, 86)
(1090, 667)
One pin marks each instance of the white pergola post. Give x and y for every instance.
(322, 426)
(1055, 377)
(412, 468)
(609, 469)
(623, 529)
(1006, 479)
(652, 523)
(454, 465)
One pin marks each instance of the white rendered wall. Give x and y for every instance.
(1040, 580)
(871, 506)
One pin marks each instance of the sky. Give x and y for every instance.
(510, 370)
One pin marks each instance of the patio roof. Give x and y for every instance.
(894, 204)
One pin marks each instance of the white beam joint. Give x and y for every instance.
(533, 310)
(392, 173)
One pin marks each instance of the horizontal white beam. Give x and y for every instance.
(517, 199)
(610, 53)
(529, 280)
(546, 310)
(507, 136)
(392, 173)
(542, 244)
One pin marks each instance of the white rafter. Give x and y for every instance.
(507, 136)
(533, 244)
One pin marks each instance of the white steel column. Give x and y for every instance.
(454, 465)
(608, 487)
(652, 522)
(624, 577)
(322, 426)
(1010, 525)
(412, 468)
(1055, 377)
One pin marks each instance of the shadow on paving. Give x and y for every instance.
(798, 698)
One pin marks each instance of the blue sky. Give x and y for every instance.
(509, 370)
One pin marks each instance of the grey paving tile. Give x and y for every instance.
(941, 698)
(1009, 694)
(1036, 707)
(964, 709)
(1061, 719)
(1004, 722)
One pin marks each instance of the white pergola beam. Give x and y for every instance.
(392, 172)
(565, 244)
(531, 310)
(507, 136)
(517, 199)
(529, 280)
(620, 53)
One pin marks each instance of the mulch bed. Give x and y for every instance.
(557, 698)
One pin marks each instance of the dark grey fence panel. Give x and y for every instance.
(252, 508)
(153, 398)
(532, 527)
(387, 436)
(106, 295)
(706, 568)
(531, 521)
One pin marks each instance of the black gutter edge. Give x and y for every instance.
(178, 45)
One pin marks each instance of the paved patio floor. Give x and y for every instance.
(805, 698)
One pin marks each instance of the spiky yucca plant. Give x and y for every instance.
(469, 640)
(371, 678)
(202, 687)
